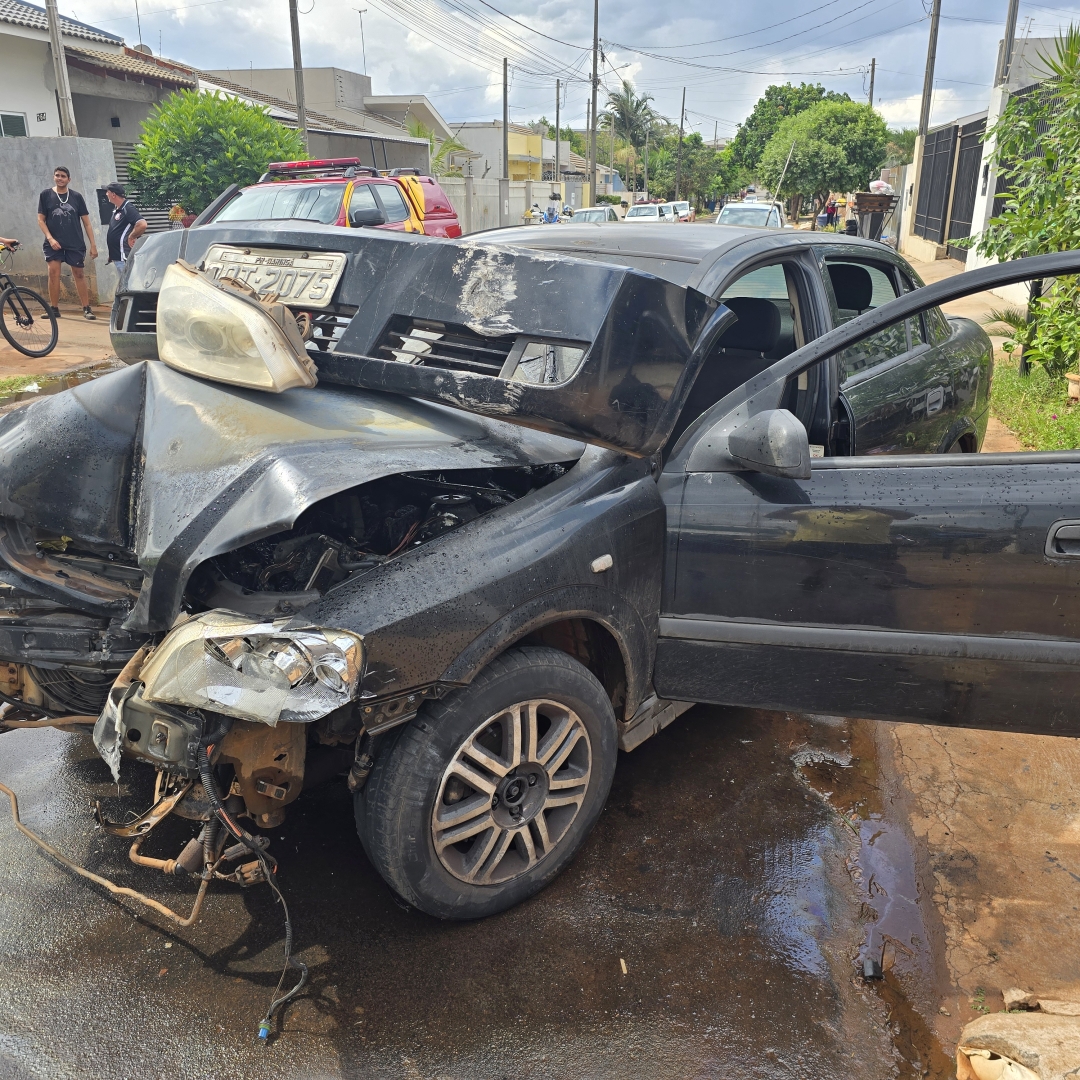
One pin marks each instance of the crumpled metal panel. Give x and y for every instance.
(177, 469)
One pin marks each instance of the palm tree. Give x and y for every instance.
(441, 161)
(632, 116)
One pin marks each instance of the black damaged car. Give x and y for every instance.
(462, 520)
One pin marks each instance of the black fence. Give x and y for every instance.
(965, 185)
(935, 186)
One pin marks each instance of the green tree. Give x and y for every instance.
(777, 104)
(194, 145)
(834, 146)
(1037, 149)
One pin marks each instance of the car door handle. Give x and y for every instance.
(934, 400)
(1064, 540)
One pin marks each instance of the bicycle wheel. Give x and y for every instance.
(27, 321)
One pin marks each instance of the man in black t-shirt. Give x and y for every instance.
(125, 226)
(62, 217)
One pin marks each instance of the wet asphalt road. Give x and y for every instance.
(716, 872)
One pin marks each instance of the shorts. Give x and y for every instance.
(72, 256)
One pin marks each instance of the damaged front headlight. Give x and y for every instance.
(214, 330)
(260, 671)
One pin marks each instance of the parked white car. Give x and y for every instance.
(596, 213)
(684, 210)
(754, 215)
(650, 212)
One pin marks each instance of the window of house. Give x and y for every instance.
(13, 125)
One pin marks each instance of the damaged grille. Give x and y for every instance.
(443, 345)
(327, 326)
(141, 314)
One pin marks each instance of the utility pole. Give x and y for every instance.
(298, 74)
(595, 84)
(611, 163)
(63, 85)
(873, 71)
(558, 134)
(678, 157)
(928, 80)
(1009, 43)
(506, 119)
(646, 187)
(363, 48)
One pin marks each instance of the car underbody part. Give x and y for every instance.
(116, 890)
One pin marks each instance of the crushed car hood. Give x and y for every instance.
(176, 470)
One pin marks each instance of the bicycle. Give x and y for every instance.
(26, 321)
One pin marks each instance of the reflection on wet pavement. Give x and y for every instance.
(716, 875)
(53, 384)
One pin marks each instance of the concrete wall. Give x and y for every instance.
(23, 65)
(93, 115)
(399, 155)
(27, 167)
(476, 202)
(332, 91)
(984, 202)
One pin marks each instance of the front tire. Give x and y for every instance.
(487, 795)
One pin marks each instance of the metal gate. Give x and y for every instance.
(966, 185)
(935, 183)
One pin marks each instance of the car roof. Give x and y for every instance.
(683, 256)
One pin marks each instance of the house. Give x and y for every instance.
(341, 95)
(531, 152)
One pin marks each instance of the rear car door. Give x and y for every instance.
(931, 587)
(897, 388)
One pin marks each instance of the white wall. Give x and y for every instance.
(27, 167)
(23, 65)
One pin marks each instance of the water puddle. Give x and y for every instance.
(897, 945)
(44, 385)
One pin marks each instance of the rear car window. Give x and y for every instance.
(393, 202)
(859, 287)
(282, 202)
(744, 215)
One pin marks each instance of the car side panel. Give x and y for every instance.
(436, 615)
(923, 592)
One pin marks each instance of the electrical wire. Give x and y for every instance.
(206, 775)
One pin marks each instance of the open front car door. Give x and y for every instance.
(942, 588)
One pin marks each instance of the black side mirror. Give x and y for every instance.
(367, 218)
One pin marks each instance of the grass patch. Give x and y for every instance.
(1035, 407)
(14, 383)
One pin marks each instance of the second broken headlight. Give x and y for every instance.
(260, 671)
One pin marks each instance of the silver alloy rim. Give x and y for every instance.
(511, 792)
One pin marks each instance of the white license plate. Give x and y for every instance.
(298, 277)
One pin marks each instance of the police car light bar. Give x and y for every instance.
(320, 164)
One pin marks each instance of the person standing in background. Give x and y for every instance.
(125, 226)
(62, 217)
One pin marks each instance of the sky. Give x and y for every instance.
(724, 55)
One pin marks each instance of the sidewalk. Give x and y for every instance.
(80, 344)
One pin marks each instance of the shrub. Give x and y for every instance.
(195, 145)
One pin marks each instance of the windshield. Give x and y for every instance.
(278, 202)
(745, 215)
(643, 211)
(590, 215)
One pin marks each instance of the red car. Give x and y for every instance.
(341, 191)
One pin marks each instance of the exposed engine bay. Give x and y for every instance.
(354, 533)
